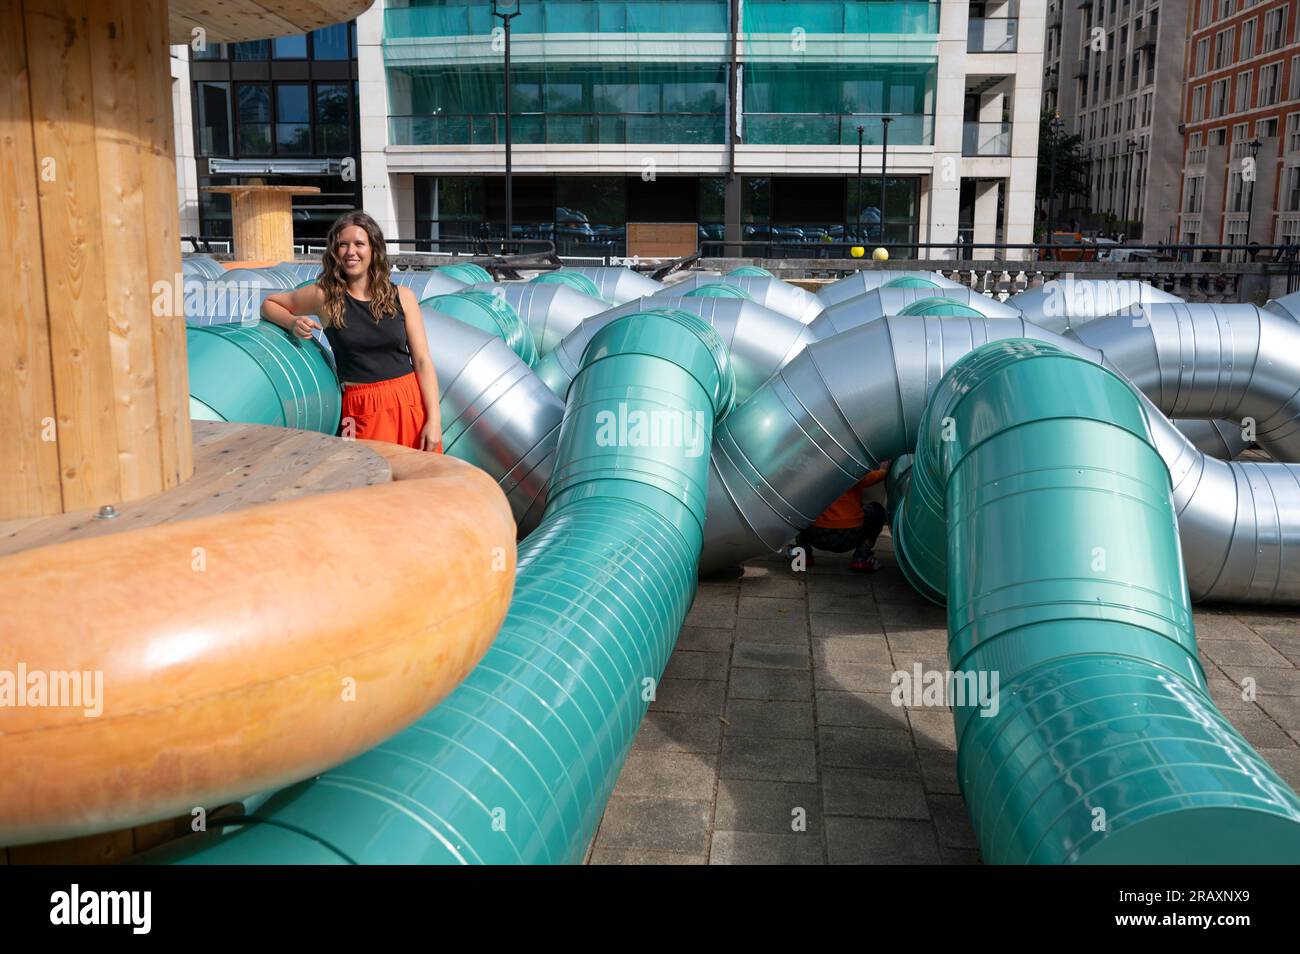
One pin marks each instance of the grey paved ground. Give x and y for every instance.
(775, 707)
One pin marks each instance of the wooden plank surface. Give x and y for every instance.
(29, 465)
(236, 466)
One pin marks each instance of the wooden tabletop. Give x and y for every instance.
(235, 466)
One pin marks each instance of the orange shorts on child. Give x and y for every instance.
(391, 411)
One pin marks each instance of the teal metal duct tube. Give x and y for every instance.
(516, 765)
(258, 373)
(1040, 508)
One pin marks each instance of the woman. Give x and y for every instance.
(390, 390)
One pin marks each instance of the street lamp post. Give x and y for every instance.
(507, 10)
(857, 225)
(884, 165)
(1128, 181)
(1254, 147)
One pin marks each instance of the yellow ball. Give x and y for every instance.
(880, 255)
(857, 251)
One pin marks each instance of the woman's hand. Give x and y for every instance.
(304, 325)
(431, 437)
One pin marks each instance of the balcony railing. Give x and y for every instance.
(543, 128)
(994, 35)
(836, 129)
(986, 139)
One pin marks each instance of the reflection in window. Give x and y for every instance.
(333, 131)
(290, 47)
(331, 43)
(254, 106)
(252, 50)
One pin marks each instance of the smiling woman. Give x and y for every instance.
(376, 331)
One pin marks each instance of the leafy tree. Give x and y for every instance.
(1071, 166)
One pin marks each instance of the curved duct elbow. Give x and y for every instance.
(874, 305)
(848, 402)
(490, 313)
(620, 285)
(567, 276)
(859, 283)
(551, 310)
(1062, 304)
(779, 296)
(516, 765)
(496, 414)
(833, 413)
(1099, 699)
(426, 284)
(1228, 362)
(758, 339)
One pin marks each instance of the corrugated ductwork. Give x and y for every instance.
(516, 765)
(618, 285)
(846, 403)
(551, 310)
(872, 305)
(782, 297)
(1067, 303)
(859, 283)
(758, 339)
(1040, 509)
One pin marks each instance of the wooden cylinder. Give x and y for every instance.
(92, 337)
(262, 220)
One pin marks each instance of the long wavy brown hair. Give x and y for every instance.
(334, 283)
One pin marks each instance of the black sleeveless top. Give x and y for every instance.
(366, 350)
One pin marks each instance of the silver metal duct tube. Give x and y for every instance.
(758, 339)
(782, 297)
(426, 283)
(846, 403)
(1067, 303)
(496, 414)
(872, 305)
(618, 284)
(1288, 305)
(860, 283)
(551, 311)
(1234, 363)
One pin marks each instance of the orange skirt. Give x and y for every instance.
(391, 411)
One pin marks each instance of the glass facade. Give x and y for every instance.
(436, 18)
(655, 72)
(822, 103)
(624, 74)
(582, 215)
(565, 103)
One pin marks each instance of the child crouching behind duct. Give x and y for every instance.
(848, 525)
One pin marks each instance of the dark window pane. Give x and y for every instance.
(254, 103)
(213, 126)
(333, 133)
(252, 50)
(290, 47)
(293, 139)
(291, 103)
(331, 43)
(255, 139)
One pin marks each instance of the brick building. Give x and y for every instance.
(1241, 123)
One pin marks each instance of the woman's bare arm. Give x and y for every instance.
(292, 310)
(431, 438)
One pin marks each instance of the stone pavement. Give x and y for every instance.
(775, 709)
